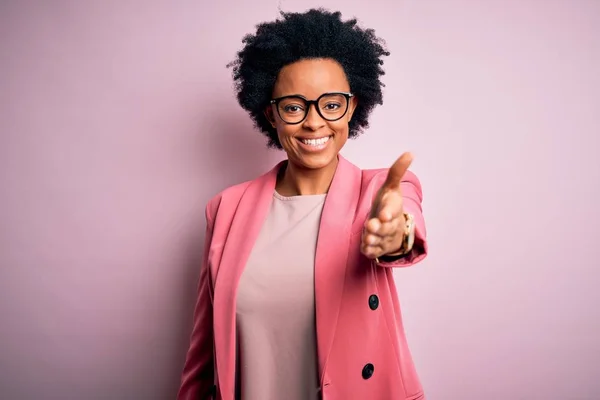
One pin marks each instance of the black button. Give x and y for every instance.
(373, 302)
(368, 370)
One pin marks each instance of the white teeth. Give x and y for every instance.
(315, 142)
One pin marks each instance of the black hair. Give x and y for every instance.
(317, 33)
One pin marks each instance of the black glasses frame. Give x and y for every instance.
(277, 100)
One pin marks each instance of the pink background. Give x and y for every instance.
(118, 123)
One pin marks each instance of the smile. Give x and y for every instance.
(316, 142)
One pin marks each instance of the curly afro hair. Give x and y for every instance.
(317, 33)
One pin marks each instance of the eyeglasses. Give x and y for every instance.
(330, 106)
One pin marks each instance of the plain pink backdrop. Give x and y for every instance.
(118, 122)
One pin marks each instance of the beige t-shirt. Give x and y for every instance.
(275, 311)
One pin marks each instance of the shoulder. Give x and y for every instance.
(224, 205)
(226, 199)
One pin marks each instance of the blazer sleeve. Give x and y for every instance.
(198, 372)
(412, 198)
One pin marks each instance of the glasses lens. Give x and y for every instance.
(333, 106)
(292, 109)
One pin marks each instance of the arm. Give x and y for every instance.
(198, 372)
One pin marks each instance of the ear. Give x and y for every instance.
(352, 107)
(269, 115)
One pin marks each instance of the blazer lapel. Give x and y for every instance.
(245, 227)
(332, 254)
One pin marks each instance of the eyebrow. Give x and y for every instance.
(294, 95)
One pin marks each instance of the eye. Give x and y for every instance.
(292, 108)
(332, 106)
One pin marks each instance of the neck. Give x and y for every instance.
(298, 181)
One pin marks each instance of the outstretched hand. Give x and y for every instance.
(384, 229)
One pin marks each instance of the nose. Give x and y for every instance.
(313, 120)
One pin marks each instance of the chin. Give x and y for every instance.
(317, 161)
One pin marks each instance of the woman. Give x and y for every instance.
(296, 296)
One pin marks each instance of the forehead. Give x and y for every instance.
(311, 78)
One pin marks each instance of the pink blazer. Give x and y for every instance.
(362, 348)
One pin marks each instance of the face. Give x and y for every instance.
(315, 142)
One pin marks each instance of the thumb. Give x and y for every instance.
(397, 171)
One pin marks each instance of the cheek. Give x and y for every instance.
(341, 129)
(285, 133)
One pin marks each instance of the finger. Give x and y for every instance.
(368, 252)
(397, 171)
(390, 206)
(370, 239)
(379, 228)
(389, 229)
(371, 251)
(372, 225)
